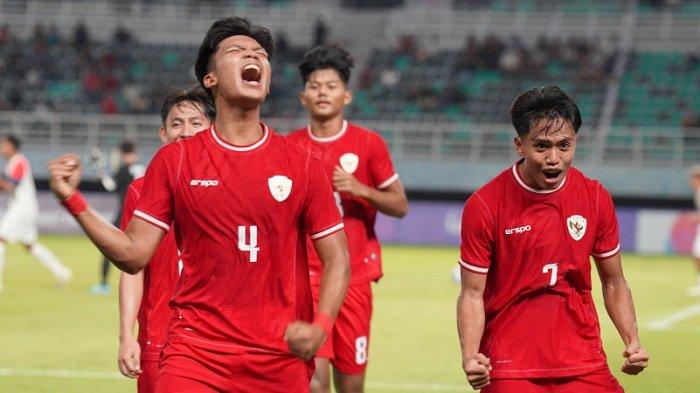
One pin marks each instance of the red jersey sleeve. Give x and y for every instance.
(478, 230)
(380, 166)
(17, 172)
(156, 203)
(131, 199)
(321, 214)
(607, 241)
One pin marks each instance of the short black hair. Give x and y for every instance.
(14, 141)
(222, 29)
(325, 57)
(127, 146)
(548, 102)
(195, 95)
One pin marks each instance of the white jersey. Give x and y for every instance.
(19, 221)
(23, 199)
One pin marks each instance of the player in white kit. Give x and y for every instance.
(19, 221)
(694, 174)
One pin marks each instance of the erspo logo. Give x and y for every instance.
(518, 230)
(204, 183)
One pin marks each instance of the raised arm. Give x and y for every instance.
(620, 308)
(129, 250)
(470, 325)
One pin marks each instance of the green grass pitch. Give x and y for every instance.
(65, 340)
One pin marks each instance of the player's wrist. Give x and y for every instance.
(75, 203)
(325, 322)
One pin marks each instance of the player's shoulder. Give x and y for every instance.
(494, 187)
(136, 186)
(287, 145)
(358, 131)
(580, 179)
(300, 134)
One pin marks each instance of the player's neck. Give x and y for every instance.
(324, 128)
(237, 126)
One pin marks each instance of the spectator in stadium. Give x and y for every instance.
(694, 181)
(365, 181)
(145, 295)
(525, 314)
(244, 302)
(19, 221)
(129, 169)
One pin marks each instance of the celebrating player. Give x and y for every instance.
(242, 200)
(526, 318)
(365, 181)
(145, 295)
(19, 223)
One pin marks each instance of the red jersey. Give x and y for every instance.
(159, 280)
(534, 247)
(241, 216)
(364, 154)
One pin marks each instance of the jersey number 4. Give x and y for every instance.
(554, 268)
(251, 247)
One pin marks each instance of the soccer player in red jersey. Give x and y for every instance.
(145, 295)
(365, 181)
(525, 314)
(242, 200)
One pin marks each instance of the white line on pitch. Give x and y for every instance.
(673, 318)
(418, 387)
(77, 374)
(19, 372)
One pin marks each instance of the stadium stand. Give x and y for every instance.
(73, 75)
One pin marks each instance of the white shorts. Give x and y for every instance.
(19, 226)
(696, 244)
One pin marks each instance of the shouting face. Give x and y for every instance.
(239, 72)
(548, 150)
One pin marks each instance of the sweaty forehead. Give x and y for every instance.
(552, 130)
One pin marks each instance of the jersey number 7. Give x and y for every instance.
(553, 267)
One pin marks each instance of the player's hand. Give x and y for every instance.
(65, 173)
(304, 339)
(129, 358)
(636, 359)
(477, 369)
(346, 182)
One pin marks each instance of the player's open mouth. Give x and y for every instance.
(251, 74)
(551, 175)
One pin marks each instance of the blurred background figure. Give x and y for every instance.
(694, 174)
(128, 170)
(19, 221)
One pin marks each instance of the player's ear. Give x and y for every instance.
(347, 99)
(210, 80)
(519, 146)
(162, 134)
(302, 99)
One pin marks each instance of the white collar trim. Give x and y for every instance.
(229, 146)
(525, 186)
(328, 138)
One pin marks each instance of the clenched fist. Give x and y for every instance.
(65, 173)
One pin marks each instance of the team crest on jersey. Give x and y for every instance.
(577, 226)
(349, 162)
(280, 187)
